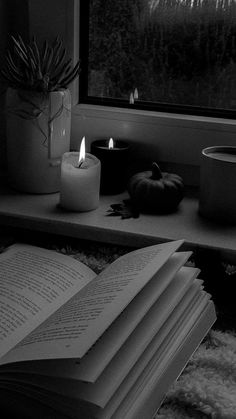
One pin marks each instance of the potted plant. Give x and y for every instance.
(38, 109)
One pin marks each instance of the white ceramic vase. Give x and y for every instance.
(38, 133)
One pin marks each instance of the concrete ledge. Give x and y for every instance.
(42, 213)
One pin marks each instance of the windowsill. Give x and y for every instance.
(161, 137)
(41, 213)
(132, 114)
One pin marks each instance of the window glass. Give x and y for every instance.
(176, 52)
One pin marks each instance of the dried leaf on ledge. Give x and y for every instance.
(124, 210)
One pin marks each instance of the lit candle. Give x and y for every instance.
(111, 143)
(114, 157)
(80, 180)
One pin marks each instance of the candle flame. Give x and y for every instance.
(111, 143)
(131, 98)
(82, 152)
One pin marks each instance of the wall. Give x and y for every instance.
(3, 33)
(44, 19)
(13, 20)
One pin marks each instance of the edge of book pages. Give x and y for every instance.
(151, 395)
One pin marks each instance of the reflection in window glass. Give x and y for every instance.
(165, 51)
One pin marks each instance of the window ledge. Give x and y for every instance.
(157, 136)
(41, 213)
(144, 116)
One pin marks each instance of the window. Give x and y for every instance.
(163, 136)
(171, 55)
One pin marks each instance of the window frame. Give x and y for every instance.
(142, 105)
(168, 137)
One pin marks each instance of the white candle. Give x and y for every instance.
(80, 182)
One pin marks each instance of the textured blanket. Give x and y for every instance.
(207, 386)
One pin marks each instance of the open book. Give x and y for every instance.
(103, 346)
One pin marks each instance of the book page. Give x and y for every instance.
(100, 392)
(180, 290)
(81, 321)
(138, 343)
(98, 357)
(34, 282)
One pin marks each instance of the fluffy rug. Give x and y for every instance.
(207, 386)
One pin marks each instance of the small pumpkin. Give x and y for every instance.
(156, 192)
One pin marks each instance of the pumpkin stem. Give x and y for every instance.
(156, 172)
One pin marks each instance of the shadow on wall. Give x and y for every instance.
(142, 156)
(3, 33)
(13, 19)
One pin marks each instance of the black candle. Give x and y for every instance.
(114, 157)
